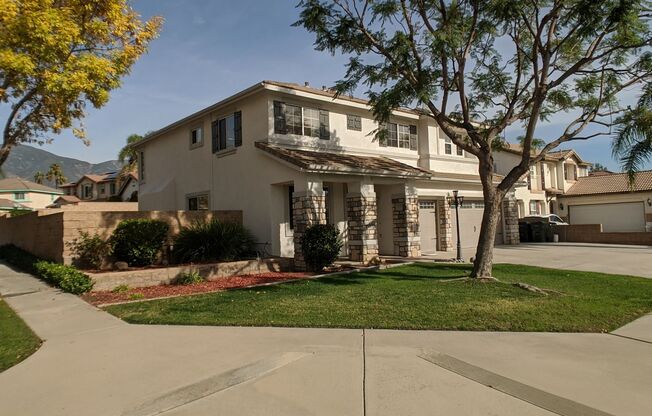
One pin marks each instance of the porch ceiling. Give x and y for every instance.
(325, 162)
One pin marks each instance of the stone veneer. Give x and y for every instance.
(445, 230)
(361, 214)
(307, 210)
(405, 217)
(510, 216)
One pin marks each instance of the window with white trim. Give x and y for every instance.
(196, 137)
(353, 122)
(306, 121)
(402, 136)
(311, 122)
(197, 202)
(535, 208)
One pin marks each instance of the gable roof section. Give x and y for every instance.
(555, 156)
(6, 204)
(611, 184)
(23, 185)
(324, 162)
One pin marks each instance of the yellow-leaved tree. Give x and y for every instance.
(58, 56)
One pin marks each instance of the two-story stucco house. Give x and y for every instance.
(18, 193)
(289, 155)
(103, 187)
(537, 192)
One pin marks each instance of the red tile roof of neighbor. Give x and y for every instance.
(325, 162)
(19, 184)
(611, 183)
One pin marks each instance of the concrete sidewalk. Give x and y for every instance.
(94, 364)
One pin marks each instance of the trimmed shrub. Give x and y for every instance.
(213, 241)
(67, 278)
(139, 241)
(90, 251)
(188, 278)
(321, 245)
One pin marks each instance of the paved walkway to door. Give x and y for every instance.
(605, 258)
(94, 364)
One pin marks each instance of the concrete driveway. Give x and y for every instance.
(94, 364)
(605, 258)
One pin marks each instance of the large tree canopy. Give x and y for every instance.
(58, 55)
(479, 67)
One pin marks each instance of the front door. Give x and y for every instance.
(428, 226)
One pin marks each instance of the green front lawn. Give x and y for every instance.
(417, 296)
(17, 341)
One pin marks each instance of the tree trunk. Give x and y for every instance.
(4, 154)
(483, 263)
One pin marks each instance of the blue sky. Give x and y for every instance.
(209, 49)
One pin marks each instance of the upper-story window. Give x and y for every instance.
(19, 196)
(292, 119)
(401, 136)
(196, 137)
(353, 122)
(227, 132)
(448, 147)
(112, 188)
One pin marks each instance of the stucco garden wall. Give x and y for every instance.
(45, 234)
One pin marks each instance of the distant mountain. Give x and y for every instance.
(24, 161)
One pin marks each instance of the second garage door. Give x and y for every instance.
(621, 217)
(470, 221)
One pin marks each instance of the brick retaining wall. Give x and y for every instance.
(45, 233)
(165, 275)
(592, 233)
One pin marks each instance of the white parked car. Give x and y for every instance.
(552, 219)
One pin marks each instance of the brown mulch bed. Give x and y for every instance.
(161, 291)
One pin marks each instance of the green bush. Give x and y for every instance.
(213, 241)
(188, 278)
(139, 242)
(321, 245)
(90, 251)
(67, 278)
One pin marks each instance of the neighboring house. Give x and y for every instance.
(103, 187)
(610, 200)
(27, 194)
(288, 155)
(537, 191)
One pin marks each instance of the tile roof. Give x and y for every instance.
(609, 184)
(325, 162)
(19, 184)
(9, 204)
(556, 155)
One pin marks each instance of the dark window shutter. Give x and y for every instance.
(279, 118)
(237, 121)
(324, 127)
(214, 134)
(382, 134)
(222, 135)
(413, 137)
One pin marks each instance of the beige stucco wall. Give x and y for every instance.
(34, 200)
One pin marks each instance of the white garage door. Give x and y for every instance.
(428, 226)
(470, 221)
(627, 216)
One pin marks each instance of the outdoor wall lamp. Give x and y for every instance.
(456, 200)
(561, 206)
(649, 202)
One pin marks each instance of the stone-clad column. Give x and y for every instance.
(445, 230)
(405, 218)
(361, 213)
(308, 208)
(510, 217)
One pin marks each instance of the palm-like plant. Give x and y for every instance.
(128, 156)
(632, 145)
(55, 174)
(39, 177)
